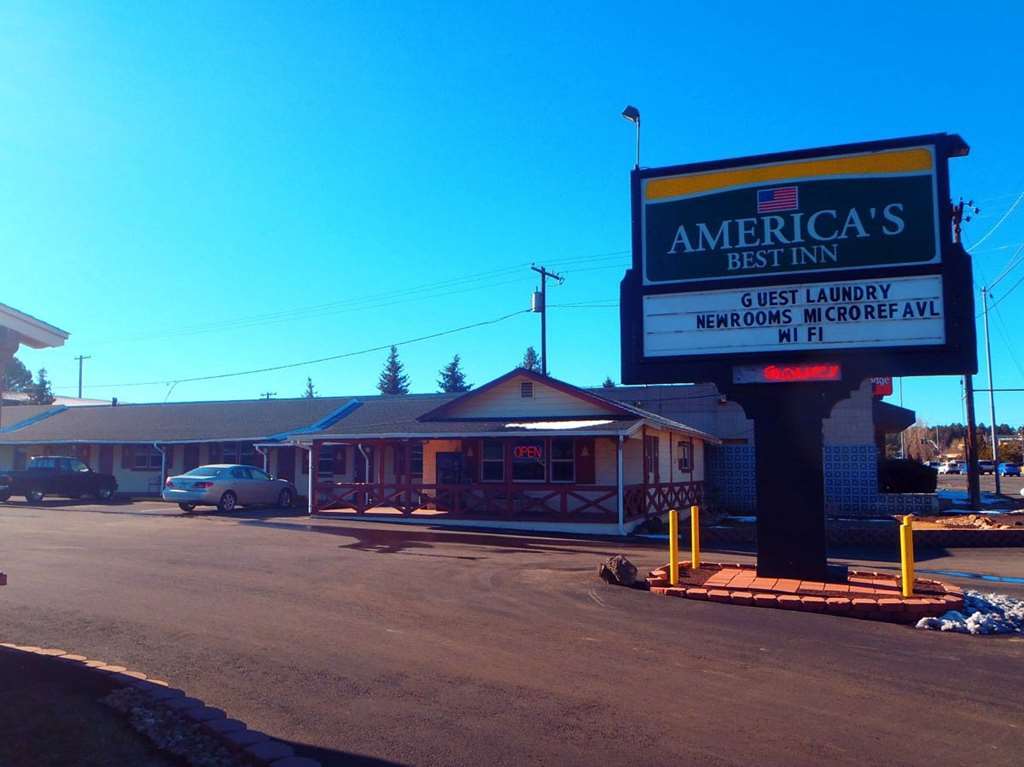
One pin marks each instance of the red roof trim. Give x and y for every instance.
(442, 412)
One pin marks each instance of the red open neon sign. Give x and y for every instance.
(828, 371)
(528, 451)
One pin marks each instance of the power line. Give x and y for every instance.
(289, 365)
(999, 222)
(1011, 264)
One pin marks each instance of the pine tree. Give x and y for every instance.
(608, 383)
(393, 379)
(39, 392)
(16, 376)
(531, 361)
(310, 392)
(452, 378)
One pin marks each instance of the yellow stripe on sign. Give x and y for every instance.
(893, 161)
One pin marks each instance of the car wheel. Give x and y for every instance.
(285, 499)
(186, 506)
(228, 501)
(105, 493)
(33, 495)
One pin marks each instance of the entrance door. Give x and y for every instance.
(286, 463)
(191, 457)
(450, 468)
(106, 459)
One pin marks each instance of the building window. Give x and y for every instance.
(235, 452)
(333, 460)
(685, 459)
(492, 462)
(528, 460)
(147, 458)
(416, 460)
(526, 390)
(563, 464)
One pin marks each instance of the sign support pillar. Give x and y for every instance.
(790, 473)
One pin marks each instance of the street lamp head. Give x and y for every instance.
(632, 114)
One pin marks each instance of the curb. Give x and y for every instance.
(256, 747)
(931, 598)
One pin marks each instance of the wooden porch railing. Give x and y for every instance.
(650, 500)
(581, 503)
(592, 503)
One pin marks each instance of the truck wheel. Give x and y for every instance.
(105, 493)
(33, 495)
(228, 501)
(186, 506)
(285, 499)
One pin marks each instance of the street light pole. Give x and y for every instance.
(991, 392)
(632, 114)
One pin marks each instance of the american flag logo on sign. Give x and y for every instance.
(777, 200)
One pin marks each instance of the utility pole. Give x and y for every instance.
(268, 394)
(903, 434)
(81, 359)
(971, 447)
(991, 392)
(543, 309)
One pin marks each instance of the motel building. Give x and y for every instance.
(523, 451)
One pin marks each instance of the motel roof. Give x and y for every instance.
(328, 418)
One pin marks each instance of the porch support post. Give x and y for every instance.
(619, 498)
(506, 453)
(163, 467)
(314, 475)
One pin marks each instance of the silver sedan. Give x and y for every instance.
(227, 485)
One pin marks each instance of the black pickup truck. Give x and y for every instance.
(56, 475)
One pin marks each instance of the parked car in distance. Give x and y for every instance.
(951, 467)
(933, 465)
(1009, 469)
(227, 485)
(986, 467)
(56, 475)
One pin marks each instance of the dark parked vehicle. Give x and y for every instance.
(56, 475)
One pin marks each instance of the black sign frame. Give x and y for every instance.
(956, 356)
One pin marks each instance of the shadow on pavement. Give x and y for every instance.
(329, 757)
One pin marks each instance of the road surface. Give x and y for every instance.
(376, 644)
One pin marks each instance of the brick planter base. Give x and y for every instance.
(871, 595)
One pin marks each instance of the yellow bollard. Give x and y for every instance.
(673, 547)
(907, 555)
(694, 537)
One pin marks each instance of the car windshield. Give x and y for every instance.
(203, 471)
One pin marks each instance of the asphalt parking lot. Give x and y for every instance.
(1010, 486)
(370, 644)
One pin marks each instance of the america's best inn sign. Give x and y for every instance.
(841, 253)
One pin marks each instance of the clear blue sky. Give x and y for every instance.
(192, 189)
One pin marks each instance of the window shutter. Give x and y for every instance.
(585, 461)
(127, 456)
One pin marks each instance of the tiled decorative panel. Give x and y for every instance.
(729, 475)
(851, 483)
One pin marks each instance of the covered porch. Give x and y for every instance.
(608, 484)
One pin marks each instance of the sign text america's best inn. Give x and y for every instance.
(841, 254)
(846, 212)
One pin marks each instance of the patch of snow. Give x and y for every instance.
(982, 614)
(556, 425)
